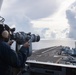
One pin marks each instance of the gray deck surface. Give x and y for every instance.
(47, 55)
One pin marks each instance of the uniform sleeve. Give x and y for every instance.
(10, 57)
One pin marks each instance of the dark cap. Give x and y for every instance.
(6, 27)
(1, 28)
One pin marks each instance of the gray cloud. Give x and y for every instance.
(71, 16)
(1, 3)
(43, 32)
(22, 23)
(40, 8)
(53, 35)
(65, 30)
(34, 9)
(21, 12)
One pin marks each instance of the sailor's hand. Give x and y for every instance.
(26, 44)
(10, 42)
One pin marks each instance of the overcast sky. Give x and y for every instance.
(51, 19)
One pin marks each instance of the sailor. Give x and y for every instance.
(9, 57)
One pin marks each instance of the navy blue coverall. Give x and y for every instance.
(9, 58)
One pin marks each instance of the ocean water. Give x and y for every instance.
(49, 43)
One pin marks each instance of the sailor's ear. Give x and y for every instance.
(5, 34)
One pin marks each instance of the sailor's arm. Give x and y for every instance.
(12, 58)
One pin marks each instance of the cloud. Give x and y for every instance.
(14, 14)
(41, 8)
(34, 9)
(57, 23)
(47, 33)
(20, 13)
(41, 32)
(25, 15)
(22, 23)
(71, 16)
(1, 3)
(57, 27)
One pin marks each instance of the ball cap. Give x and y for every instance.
(1, 28)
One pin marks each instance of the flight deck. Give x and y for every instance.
(56, 60)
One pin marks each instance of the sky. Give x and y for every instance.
(51, 19)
